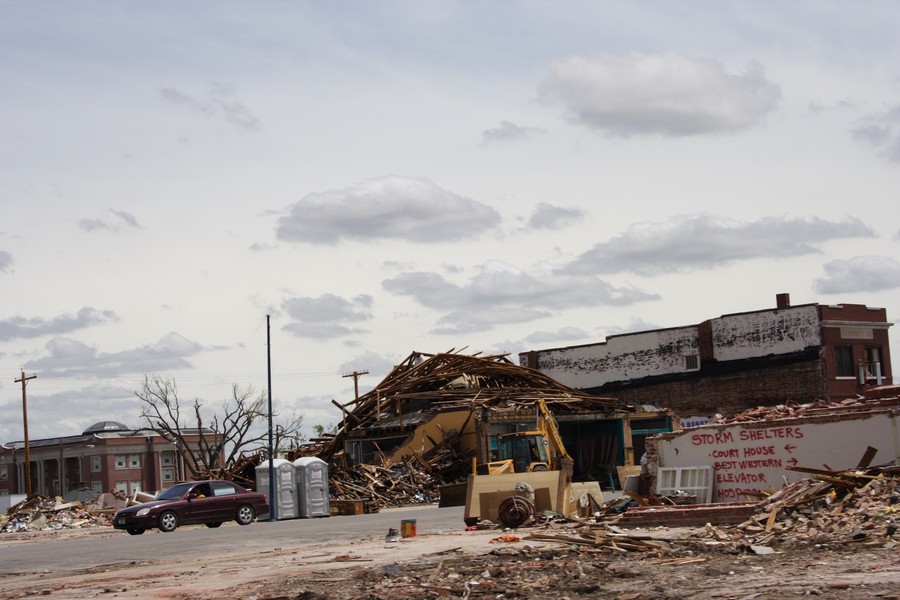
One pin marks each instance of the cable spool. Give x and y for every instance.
(515, 511)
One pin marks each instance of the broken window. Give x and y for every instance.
(873, 362)
(843, 361)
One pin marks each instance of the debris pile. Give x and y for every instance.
(382, 487)
(860, 506)
(817, 408)
(41, 513)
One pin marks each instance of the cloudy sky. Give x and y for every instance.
(398, 176)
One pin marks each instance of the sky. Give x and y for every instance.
(372, 179)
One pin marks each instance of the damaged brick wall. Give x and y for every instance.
(730, 393)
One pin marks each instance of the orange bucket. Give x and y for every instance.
(408, 528)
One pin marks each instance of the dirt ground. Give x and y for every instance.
(480, 564)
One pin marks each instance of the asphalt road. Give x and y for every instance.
(89, 551)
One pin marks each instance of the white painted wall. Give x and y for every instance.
(749, 457)
(757, 334)
(620, 358)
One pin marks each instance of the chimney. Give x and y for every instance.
(782, 301)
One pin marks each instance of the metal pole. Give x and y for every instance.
(271, 449)
(24, 380)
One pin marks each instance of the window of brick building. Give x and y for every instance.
(120, 463)
(95, 464)
(97, 487)
(873, 362)
(692, 362)
(843, 361)
(134, 461)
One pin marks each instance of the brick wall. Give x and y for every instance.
(728, 393)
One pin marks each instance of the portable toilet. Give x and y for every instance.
(284, 504)
(312, 486)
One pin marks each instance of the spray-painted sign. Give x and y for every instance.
(749, 458)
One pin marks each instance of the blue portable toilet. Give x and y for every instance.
(312, 487)
(285, 501)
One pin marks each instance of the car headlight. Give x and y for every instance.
(142, 512)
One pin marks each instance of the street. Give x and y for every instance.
(117, 547)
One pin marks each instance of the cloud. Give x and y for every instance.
(707, 241)
(110, 223)
(324, 317)
(881, 131)
(72, 358)
(566, 334)
(859, 274)
(391, 207)
(377, 366)
(502, 294)
(5, 261)
(22, 328)
(662, 94)
(218, 102)
(508, 132)
(547, 216)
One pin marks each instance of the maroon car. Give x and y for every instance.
(209, 502)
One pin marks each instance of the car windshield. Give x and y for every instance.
(175, 492)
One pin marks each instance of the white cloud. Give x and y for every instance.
(662, 94)
(5, 261)
(26, 328)
(881, 131)
(508, 132)
(324, 317)
(218, 102)
(111, 222)
(547, 216)
(71, 358)
(859, 274)
(707, 241)
(562, 335)
(500, 293)
(391, 207)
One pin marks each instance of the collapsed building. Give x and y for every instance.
(454, 406)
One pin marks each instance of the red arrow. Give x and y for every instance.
(793, 462)
(788, 447)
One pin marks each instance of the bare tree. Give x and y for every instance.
(238, 427)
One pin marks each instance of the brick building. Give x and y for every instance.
(106, 456)
(734, 362)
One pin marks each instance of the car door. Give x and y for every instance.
(226, 500)
(201, 504)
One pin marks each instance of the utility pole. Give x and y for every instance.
(23, 380)
(356, 375)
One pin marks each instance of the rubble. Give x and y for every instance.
(42, 513)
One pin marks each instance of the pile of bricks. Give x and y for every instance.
(688, 515)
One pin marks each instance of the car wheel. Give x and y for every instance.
(245, 514)
(135, 530)
(168, 521)
(214, 525)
